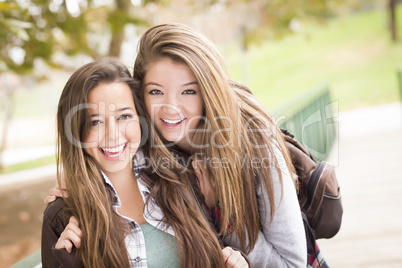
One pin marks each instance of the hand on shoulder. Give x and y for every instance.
(56, 191)
(71, 236)
(234, 258)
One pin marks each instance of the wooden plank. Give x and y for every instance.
(370, 176)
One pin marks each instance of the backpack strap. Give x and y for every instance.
(319, 192)
(291, 139)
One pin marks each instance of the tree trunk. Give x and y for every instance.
(115, 43)
(392, 10)
(118, 27)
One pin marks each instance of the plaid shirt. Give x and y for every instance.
(135, 242)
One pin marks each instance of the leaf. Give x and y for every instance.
(19, 23)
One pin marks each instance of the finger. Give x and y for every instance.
(198, 168)
(198, 161)
(72, 236)
(49, 199)
(198, 171)
(226, 252)
(54, 191)
(195, 166)
(237, 260)
(74, 220)
(202, 171)
(57, 192)
(234, 258)
(68, 245)
(74, 226)
(64, 243)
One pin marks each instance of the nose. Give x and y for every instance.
(171, 104)
(112, 130)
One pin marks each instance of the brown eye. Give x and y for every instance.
(125, 117)
(155, 92)
(189, 91)
(96, 122)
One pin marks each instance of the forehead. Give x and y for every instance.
(117, 93)
(166, 67)
(110, 91)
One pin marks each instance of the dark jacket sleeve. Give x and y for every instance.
(52, 227)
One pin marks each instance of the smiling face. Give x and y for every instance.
(173, 100)
(114, 132)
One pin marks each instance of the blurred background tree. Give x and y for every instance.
(51, 31)
(63, 34)
(280, 49)
(39, 29)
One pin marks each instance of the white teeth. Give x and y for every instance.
(114, 150)
(172, 122)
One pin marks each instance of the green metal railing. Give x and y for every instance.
(399, 75)
(32, 261)
(311, 118)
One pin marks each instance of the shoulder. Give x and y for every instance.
(55, 207)
(54, 213)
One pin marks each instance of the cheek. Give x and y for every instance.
(91, 144)
(148, 106)
(133, 131)
(199, 106)
(92, 139)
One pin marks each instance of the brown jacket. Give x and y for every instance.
(54, 222)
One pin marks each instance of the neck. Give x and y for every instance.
(193, 147)
(186, 147)
(120, 179)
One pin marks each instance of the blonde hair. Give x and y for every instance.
(171, 186)
(228, 105)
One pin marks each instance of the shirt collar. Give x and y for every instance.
(138, 163)
(116, 199)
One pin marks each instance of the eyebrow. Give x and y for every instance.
(153, 84)
(118, 110)
(124, 109)
(159, 85)
(191, 83)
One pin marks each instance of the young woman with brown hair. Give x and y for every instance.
(111, 218)
(195, 108)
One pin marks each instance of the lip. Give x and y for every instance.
(172, 123)
(113, 153)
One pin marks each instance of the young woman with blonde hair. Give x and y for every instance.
(242, 164)
(111, 218)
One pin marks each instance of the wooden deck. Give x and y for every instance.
(369, 167)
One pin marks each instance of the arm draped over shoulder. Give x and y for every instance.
(282, 242)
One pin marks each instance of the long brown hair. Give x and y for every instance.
(223, 99)
(102, 243)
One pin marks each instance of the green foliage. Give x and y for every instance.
(353, 54)
(39, 28)
(14, 32)
(276, 16)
